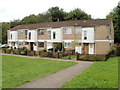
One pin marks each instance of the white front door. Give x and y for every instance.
(78, 49)
(91, 48)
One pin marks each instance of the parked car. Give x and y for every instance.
(4, 46)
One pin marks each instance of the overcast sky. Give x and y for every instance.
(17, 9)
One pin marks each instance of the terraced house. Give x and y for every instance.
(91, 36)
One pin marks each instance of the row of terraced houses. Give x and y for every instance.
(92, 36)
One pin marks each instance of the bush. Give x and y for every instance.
(93, 58)
(44, 54)
(8, 51)
(30, 53)
(16, 51)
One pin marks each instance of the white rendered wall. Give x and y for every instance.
(90, 35)
(14, 36)
(59, 35)
(33, 36)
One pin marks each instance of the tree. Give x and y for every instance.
(45, 17)
(31, 19)
(57, 14)
(5, 27)
(14, 23)
(115, 15)
(77, 14)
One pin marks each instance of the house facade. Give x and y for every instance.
(85, 36)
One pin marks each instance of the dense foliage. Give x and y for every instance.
(115, 15)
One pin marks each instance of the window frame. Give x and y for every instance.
(85, 35)
(40, 45)
(41, 31)
(76, 30)
(67, 30)
(67, 45)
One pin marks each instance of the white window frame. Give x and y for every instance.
(78, 30)
(67, 44)
(67, 30)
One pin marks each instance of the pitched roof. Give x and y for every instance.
(83, 23)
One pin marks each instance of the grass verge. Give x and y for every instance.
(20, 70)
(99, 75)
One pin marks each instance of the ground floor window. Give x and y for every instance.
(26, 43)
(20, 43)
(40, 44)
(67, 45)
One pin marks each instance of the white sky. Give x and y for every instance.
(17, 9)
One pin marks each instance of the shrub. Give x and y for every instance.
(30, 53)
(8, 51)
(44, 54)
(16, 51)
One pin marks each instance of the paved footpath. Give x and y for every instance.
(56, 80)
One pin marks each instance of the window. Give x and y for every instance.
(11, 36)
(67, 31)
(85, 35)
(26, 32)
(41, 32)
(49, 32)
(20, 32)
(110, 31)
(29, 35)
(54, 35)
(40, 44)
(78, 30)
(49, 43)
(67, 44)
(20, 43)
(26, 43)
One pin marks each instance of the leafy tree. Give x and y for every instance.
(31, 19)
(77, 14)
(14, 23)
(5, 27)
(115, 15)
(45, 17)
(57, 14)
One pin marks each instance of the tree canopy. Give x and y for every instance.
(115, 15)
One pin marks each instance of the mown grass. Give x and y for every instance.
(99, 75)
(20, 70)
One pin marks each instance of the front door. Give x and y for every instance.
(31, 46)
(85, 48)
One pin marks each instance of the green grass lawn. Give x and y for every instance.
(67, 57)
(20, 70)
(99, 75)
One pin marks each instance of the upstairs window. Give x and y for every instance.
(11, 36)
(26, 32)
(54, 35)
(20, 32)
(40, 44)
(41, 32)
(29, 35)
(85, 35)
(78, 30)
(67, 31)
(110, 31)
(49, 32)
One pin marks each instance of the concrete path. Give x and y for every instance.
(57, 79)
